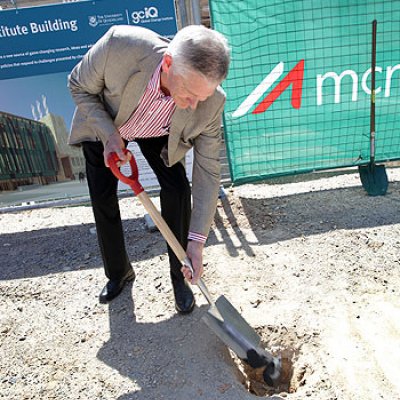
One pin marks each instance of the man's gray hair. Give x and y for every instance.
(199, 49)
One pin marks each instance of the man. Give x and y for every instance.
(136, 85)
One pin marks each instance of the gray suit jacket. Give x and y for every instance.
(107, 85)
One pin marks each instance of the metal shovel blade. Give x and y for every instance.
(374, 179)
(236, 323)
(231, 328)
(218, 327)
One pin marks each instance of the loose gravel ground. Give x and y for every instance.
(312, 263)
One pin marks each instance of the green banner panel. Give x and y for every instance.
(299, 87)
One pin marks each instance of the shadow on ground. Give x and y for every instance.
(68, 248)
(169, 356)
(283, 218)
(270, 219)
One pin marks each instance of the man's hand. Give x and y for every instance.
(194, 252)
(115, 144)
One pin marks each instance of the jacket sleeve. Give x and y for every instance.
(206, 174)
(86, 83)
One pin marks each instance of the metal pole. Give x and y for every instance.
(188, 12)
(195, 11)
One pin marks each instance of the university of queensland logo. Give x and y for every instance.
(93, 21)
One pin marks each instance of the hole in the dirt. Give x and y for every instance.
(283, 343)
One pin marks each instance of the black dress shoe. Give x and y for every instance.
(114, 287)
(184, 299)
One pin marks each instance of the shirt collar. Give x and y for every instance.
(155, 81)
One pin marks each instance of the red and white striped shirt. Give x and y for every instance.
(152, 116)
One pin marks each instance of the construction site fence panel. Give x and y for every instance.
(299, 86)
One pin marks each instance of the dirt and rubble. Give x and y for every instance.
(312, 263)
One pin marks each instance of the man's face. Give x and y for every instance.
(187, 90)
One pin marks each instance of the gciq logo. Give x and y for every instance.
(147, 13)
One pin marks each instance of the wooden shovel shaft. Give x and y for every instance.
(372, 118)
(171, 239)
(162, 226)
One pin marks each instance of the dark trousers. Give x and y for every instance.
(175, 199)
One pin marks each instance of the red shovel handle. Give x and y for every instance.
(133, 179)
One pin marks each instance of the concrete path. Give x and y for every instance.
(28, 196)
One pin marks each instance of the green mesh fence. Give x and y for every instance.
(299, 84)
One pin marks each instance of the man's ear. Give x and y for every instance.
(166, 62)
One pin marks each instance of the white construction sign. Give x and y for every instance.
(146, 175)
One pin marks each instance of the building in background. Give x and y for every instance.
(27, 153)
(36, 152)
(70, 158)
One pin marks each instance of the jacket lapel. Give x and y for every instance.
(136, 86)
(178, 122)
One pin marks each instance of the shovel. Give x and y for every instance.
(373, 177)
(222, 318)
